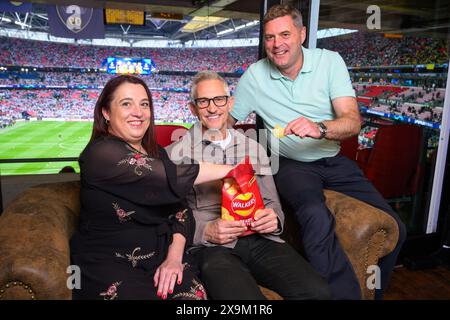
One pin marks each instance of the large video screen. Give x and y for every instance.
(117, 16)
(116, 65)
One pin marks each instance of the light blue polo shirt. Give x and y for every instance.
(279, 100)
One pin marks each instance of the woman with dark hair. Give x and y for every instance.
(134, 225)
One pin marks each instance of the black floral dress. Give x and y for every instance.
(131, 205)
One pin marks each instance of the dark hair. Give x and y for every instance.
(100, 128)
(281, 10)
(67, 169)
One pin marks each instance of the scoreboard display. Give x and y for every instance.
(166, 16)
(116, 65)
(116, 16)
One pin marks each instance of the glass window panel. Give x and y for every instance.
(397, 54)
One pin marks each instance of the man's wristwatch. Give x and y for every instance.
(323, 129)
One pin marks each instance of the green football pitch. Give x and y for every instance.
(42, 139)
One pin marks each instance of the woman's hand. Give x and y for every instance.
(210, 172)
(169, 272)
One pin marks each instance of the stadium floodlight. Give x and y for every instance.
(333, 32)
(242, 26)
(41, 16)
(23, 25)
(251, 23)
(224, 32)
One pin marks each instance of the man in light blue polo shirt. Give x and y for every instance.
(309, 94)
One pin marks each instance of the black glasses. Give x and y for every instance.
(219, 101)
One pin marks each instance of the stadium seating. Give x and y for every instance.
(168, 134)
(169, 106)
(349, 147)
(244, 126)
(373, 49)
(31, 53)
(392, 165)
(357, 49)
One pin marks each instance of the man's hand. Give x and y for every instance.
(347, 122)
(302, 128)
(222, 231)
(266, 221)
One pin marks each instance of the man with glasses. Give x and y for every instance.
(231, 267)
(307, 95)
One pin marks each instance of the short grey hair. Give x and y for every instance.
(203, 76)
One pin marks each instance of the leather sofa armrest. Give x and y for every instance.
(34, 242)
(365, 233)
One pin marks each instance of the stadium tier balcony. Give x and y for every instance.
(21, 52)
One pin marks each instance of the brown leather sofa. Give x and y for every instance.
(36, 227)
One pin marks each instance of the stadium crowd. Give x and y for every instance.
(423, 103)
(96, 80)
(357, 49)
(35, 53)
(170, 106)
(170, 92)
(361, 49)
(171, 98)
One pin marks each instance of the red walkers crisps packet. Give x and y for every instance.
(241, 197)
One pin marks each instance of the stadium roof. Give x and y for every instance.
(182, 20)
(185, 21)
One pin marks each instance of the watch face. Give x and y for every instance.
(322, 127)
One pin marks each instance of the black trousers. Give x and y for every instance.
(301, 185)
(230, 274)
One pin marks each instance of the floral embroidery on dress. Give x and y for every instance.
(111, 293)
(181, 216)
(137, 161)
(196, 292)
(135, 258)
(122, 214)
